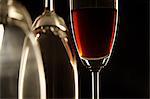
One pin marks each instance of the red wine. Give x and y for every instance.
(94, 30)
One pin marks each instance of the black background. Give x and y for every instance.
(127, 73)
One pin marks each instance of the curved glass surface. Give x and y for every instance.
(21, 68)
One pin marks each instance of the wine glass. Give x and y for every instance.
(94, 24)
(20, 58)
(51, 32)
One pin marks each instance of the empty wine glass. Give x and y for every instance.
(21, 67)
(94, 29)
(51, 32)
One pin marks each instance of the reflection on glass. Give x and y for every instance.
(31, 78)
(21, 67)
(2, 34)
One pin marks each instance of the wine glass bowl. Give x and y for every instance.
(20, 58)
(50, 21)
(50, 31)
(12, 33)
(94, 29)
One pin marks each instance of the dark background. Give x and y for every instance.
(127, 73)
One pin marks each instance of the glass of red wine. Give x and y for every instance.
(94, 24)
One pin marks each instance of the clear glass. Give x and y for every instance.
(21, 67)
(94, 24)
(59, 61)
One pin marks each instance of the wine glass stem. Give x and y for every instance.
(51, 3)
(46, 3)
(95, 84)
